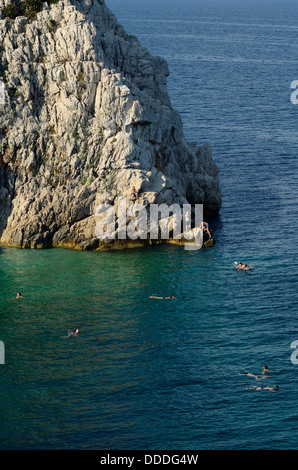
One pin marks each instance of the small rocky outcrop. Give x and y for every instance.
(86, 116)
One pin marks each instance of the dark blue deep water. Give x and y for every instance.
(168, 375)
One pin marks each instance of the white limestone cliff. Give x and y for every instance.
(86, 116)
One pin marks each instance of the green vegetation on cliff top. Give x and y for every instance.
(28, 8)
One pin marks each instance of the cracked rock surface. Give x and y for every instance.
(87, 116)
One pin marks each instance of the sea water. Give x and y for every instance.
(146, 373)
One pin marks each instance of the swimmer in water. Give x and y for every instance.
(242, 266)
(239, 266)
(265, 370)
(154, 297)
(19, 295)
(257, 377)
(248, 374)
(74, 332)
(271, 389)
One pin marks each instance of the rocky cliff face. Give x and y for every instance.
(86, 116)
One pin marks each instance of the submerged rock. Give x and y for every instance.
(87, 116)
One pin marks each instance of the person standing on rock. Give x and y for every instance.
(187, 221)
(134, 194)
(205, 226)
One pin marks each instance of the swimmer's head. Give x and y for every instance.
(172, 297)
(276, 387)
(245, 373)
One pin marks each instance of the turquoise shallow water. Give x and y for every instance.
(145, 373)
(151, 374)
